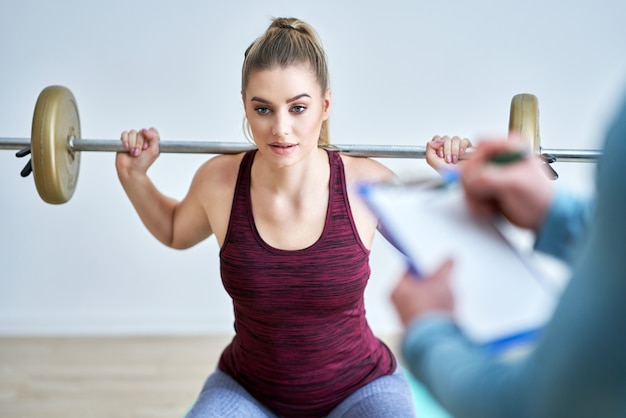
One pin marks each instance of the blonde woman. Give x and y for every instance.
(294, 246)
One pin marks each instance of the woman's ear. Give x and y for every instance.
(243, 102)
(326, 104)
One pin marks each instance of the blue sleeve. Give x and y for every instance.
(578, 369)
(565, 226)
(462, 377)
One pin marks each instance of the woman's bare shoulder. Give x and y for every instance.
(219, 171)
(366, 169)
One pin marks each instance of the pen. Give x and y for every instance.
(516, 155)
(451, 176)
(508, 157)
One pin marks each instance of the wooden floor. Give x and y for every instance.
(102, 377)
(136, 377)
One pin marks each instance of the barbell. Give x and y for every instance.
(56, 144)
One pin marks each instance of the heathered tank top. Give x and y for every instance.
(302, 342)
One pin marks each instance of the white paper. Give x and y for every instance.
(497, 291)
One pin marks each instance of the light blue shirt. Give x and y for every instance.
(565, 225)
(578, 368)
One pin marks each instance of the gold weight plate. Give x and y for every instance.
(55, 168)
(524, 119)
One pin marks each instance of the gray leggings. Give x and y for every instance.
(386, 397)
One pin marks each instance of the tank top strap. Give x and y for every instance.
(241, 202)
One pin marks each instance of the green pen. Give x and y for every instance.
(502, 158)
(450, 176)
(516, 155)
(508, 157)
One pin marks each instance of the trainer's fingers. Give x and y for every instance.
(481, 206)
(488, 148)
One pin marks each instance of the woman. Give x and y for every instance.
(294, 245)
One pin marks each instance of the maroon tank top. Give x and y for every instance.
(302, 342)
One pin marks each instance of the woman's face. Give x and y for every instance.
(285, 108)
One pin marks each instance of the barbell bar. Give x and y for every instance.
(56, 143)
(216, 147)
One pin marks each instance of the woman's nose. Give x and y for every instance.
(281, 126)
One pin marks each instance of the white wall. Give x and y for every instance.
(401, 72)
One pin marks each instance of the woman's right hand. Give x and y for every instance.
(143, 150)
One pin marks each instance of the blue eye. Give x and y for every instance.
(262, 110)
(298, 108)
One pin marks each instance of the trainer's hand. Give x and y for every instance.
(519, 190)
(414, 297)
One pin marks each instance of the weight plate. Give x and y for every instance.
(524, 119)
(55, 168)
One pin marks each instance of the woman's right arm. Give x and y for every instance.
(176, 224)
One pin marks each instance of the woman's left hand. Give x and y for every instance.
(445, 151)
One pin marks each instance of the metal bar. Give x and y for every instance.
(171, 147)
(572, 155)
(356, 150)
(14, 143)
(381, 151)
(206, 147)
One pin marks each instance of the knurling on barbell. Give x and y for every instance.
(56, 143)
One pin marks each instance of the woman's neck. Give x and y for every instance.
(297, 179)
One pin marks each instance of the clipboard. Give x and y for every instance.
(501, 299)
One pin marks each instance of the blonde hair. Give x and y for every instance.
(287, 42)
